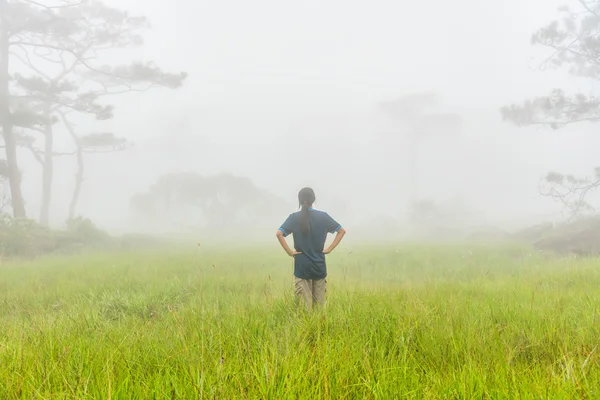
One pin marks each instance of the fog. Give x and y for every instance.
(288, 94)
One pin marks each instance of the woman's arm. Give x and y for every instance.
(285, 246)
(338, 238)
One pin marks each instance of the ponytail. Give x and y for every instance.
(305, 219)
(306, 198)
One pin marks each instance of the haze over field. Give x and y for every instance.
(144, 174)
(288, 95)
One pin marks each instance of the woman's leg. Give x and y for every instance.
(319, 290)
(303, 290)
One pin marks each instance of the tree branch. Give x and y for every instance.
(587, 7)
(28, 63)
(33, 128)
(98, 151)
(34, 151)
(70, 128)
(558, 50)
(37, 153)
(571, 195)
(66, 5)
(565, 122)
(128, 89)
(64, 153)
(47, 56)
(73, 53)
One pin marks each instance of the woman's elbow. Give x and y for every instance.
(342, 231)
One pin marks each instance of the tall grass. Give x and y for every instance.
(412, 322)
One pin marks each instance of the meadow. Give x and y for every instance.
(402, 322)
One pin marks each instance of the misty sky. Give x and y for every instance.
(286, 93)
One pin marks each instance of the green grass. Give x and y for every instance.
(412, 322)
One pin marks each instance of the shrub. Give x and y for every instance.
(24, 237)
(27, 238)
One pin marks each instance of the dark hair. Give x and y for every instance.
(306, 198)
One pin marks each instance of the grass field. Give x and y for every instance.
(407, 322)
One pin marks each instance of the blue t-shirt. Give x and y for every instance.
(311, 263)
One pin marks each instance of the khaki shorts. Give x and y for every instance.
(311, 291)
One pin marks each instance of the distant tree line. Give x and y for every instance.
(217, 204)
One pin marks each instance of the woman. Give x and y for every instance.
(309, 229)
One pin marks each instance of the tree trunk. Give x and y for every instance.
(48, 174)
(14, 175)
(78, 183)
(80, 167)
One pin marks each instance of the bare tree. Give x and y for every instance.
(573, 42)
